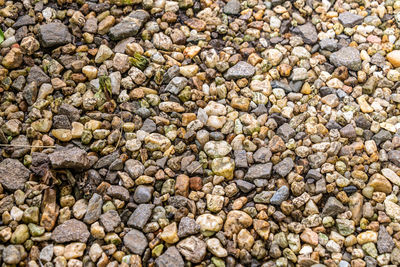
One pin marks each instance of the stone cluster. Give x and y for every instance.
(199, 133)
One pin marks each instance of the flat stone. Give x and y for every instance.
(135, 241)
(11, 255)
(349, 19)
(392, 209)
(281, 195)
(223, 167)
(171, 257)
(394, 157)
(232, 7)
(134, 168)
(119, 192)
(217, 149)
(262, 155)
(385, 241)
(259, 171)
(13, 174)
(143, 194)
(69, 158)
(54, 34)
(105, 162)
(188, 226)
(241, 70)
(240, 159)
(307, 32)
(37, 75)
(94, 209)
(348, 131)
(285, 131)
(348, 57)
(129, 26)
(193, 249)
(47, 253)
(391, 175)
(110, 220)
(140, 216)
(24, 21)
(149, 126)
(209, 223)
(284, 167)
(333, 207)
(69, 231)
(235, 221)
(215, 247)
(244, 186)
(329, 44)
(176, 85)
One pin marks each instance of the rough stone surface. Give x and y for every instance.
(54, 34)
(259, 171)
(348, 57)
(241, 70)
(171, 257)
(71, 158)
(308, 33)
(13, 174)
(140, 216)
(71, 230)
(349, 19)
(135, 241)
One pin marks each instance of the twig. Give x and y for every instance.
(200, 166)
(120, 133)
(30, 146)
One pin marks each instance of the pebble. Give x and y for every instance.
(347, 56)
(394, 58)
(179, 133)
(241, 70)
(279, 196)
(171, 257)
(193, 249)
(215, 247)
(135, 241)
(70, 230)
(348, 19)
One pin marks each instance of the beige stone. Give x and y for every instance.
(394, 58)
